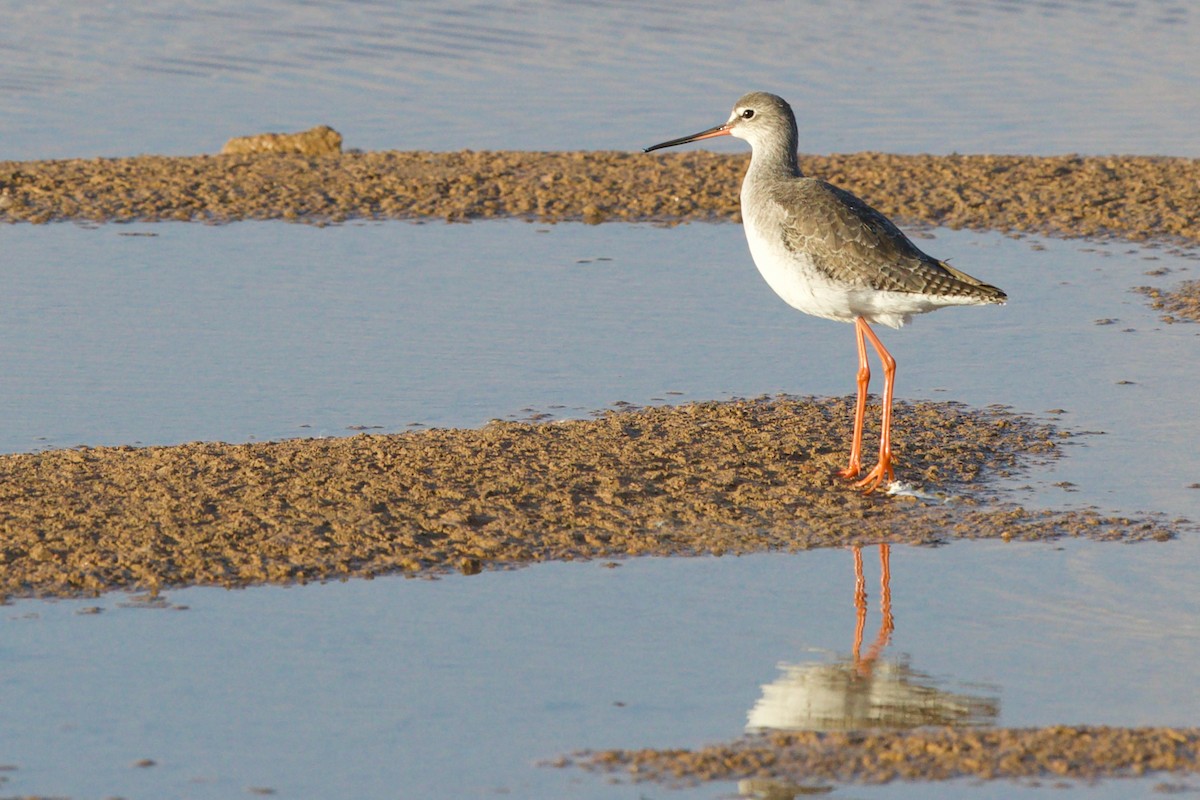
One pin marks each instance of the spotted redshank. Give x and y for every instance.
(829, 254)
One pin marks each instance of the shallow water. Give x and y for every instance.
(263, 331)
(995, 76)
(460, 687)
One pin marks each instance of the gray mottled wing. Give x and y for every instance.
(855, 245)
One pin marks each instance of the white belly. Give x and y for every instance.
(802, 286)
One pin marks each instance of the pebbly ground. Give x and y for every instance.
(717, 477)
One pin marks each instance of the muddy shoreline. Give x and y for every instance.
(1134, 197)
(810, 759)
(705, 478)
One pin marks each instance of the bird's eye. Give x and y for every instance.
(748, 113)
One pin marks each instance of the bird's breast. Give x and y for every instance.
(794, 275)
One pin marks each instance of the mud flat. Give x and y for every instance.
(1180, 304)
(778, 761)
(1128, 196)
(716, 477)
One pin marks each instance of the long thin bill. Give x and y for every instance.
(719, 130)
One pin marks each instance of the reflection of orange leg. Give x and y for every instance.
(860, 602)
(886, 623)
(883, 469)
(860, 406)
(885, 592)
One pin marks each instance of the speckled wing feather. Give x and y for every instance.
(855, 245)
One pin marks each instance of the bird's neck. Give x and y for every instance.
(775, 158)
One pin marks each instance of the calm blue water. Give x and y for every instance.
(267, 331)
(1012, 76)
(459, 687)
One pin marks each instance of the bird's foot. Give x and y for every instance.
(876, 477)
(852, 471)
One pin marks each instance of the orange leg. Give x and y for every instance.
(860, 406)
(882, 470)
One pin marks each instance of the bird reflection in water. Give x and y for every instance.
(866, 690)
(863, 691)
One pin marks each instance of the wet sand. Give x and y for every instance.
(1180, 304)
(717, 477)
(807, 759)
(1129, 196)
